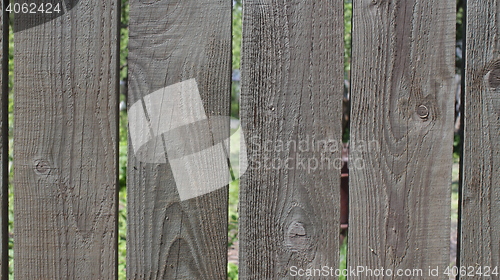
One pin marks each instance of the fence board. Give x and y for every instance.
(4, 143)
(292, 87)
(480, 222)
(172, 42)
(402, 101)
(65, 143)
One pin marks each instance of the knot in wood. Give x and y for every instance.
(378, 2)
(494, 77)
(298, 237)
(42, 167)
(423, 112)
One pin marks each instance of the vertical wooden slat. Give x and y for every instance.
(65, 142)
(401, 135)
(172, 42)
(4, 142)
(292, 86)
(480, 219)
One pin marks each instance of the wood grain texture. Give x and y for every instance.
(480, 222)
(402, 103)
(292, 87)
(4, 142)
(65, 145)
(171, 42)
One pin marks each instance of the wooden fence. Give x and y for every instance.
(66, 138)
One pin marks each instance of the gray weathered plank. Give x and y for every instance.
(172, 42)
(402, 104)
(292, 86)
(65, 145)
(4, 142)
(480, 219)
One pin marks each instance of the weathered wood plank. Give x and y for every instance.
(292, 86)
(402, 103)
(172, 42)
(480, 219)
(4, 142)
(65, 145)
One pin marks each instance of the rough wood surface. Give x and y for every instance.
(402, 103)
(4, 143)
(480, 222)
(171, 42)
(292, 86)
(65, 145)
